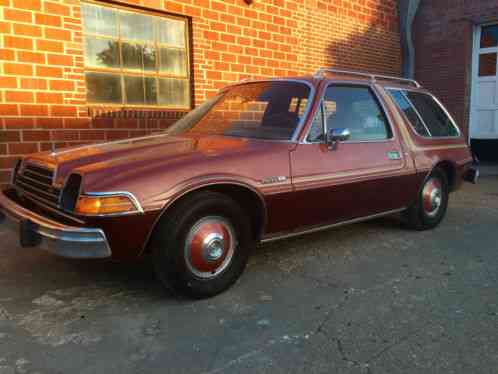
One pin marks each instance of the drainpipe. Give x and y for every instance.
(407, 11)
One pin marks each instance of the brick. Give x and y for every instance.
(27, 4)
(8, 162)
(17, 69)
(8, 110)
(49, 98)
(35, 136)
(33, 83)
(49, 123)
(17, 15)
(61, 85)
(8, 82)
(77, 123)
(49, 71)
(58, 34)
(33, 57)
(29, 30)
(49, 46)
(22, 148)
(19, 123)
(19, 96)
(59, 60)
(65, 135)
(64, 110)
(10, 136)
(34, 110)
(17, 42)
(48, 20)
(55, 8)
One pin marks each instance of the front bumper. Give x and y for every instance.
(34, 230)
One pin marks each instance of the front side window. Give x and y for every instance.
(261, 110)
(135, 58)
(356, 109)
(438, 123)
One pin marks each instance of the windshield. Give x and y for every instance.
(261, 110)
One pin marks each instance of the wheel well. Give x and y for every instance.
(450, 171)
(248, 200)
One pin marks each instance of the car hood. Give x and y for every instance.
(141, 164)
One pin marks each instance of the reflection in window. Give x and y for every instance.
(135, 58)
(489, 36)
(487, 64)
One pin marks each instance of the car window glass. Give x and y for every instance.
(356, 109)
(410, 113)
(316, 131)
(436, 120)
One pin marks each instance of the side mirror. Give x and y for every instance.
(335, 136)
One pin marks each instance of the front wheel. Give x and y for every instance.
(202, 246)
(431, 205)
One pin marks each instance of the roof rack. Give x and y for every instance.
(373, 77)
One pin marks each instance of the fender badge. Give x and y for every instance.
(278, 179)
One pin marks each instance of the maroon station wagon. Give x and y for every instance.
(262, 160)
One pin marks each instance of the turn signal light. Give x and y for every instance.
(101, 205)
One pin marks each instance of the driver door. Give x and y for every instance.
(362, 176)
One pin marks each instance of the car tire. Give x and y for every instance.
(432, 202)
(202, 246)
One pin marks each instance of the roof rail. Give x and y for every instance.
(373, 77)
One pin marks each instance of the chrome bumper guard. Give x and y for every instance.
(35, 230)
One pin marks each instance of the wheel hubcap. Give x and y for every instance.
(209, 246)
(432, 195)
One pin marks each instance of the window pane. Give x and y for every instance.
(489, 36)
(487, 64)
(103, 88)
(101, 52)
(137, 26)
(316, 130)
(134, 87)
(99, 20)
(174, 92)
(150, 91)
(173, 61)
(140, 90)
(356, 109)
(138, 57)
(172, 32)
(410, 113)
(435, 118)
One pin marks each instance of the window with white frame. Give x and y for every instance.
(134, 58)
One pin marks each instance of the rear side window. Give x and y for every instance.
(424, 113)
(410, 113)
(437, 121)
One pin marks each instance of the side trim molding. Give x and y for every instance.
(326, 227)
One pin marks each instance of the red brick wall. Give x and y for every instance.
(42, 87)
(443, 35)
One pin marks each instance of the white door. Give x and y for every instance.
(484, 103)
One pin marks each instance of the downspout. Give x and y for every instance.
(407, 11)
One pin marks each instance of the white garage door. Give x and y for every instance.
(484, 105)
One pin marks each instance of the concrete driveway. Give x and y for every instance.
(367, 298)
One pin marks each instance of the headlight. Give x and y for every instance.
(106, 204)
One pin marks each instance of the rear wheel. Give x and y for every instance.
(431, 205)
(202, 246)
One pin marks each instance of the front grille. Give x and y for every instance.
(35, 183)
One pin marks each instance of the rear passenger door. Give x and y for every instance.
(363, 176)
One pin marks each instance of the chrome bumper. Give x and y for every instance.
(34, 230)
